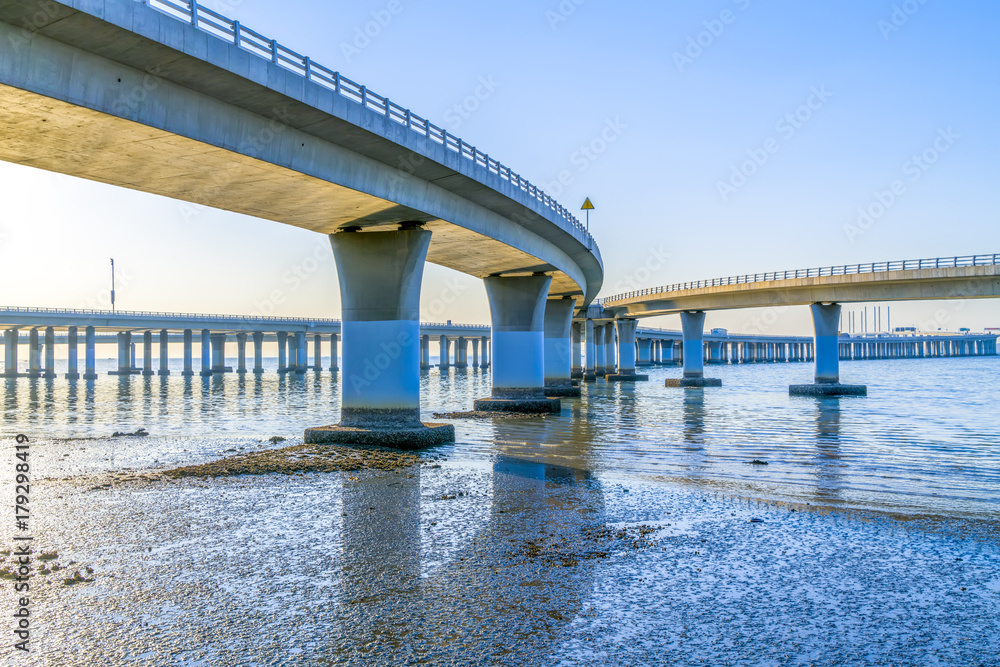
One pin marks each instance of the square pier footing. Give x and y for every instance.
(413, 437)
(693, 382)
(565, 390)
(831, 389)
(529, 405)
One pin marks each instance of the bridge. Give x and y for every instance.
(171, 98)
(823, 289)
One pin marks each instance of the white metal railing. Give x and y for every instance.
(85, 313)
(243, 37)
(848, 269)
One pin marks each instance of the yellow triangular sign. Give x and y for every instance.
(587, 205)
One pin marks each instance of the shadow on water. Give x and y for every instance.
(829, 481)
(522, 572)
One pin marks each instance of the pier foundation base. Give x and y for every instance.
(831, 389)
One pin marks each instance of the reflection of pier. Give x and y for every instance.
(504, 590)
(828, 462)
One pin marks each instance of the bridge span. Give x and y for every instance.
(171, 98)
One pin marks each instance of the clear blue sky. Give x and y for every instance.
(829, 103)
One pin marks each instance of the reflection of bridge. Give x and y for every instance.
(824, 289)
(176, 100)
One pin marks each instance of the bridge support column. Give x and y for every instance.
(73, 371)
(89, 354)
(147, 354)
(425, 352)
(693, 327)
(334, 353)
(317, 352)
(609, 349)
(475, 352)
(50, 353)
(599, 364)
(241, 353)
(380, 275)
(218, 342)
(826, 320)
(188, 344)
(626, 353)
(258, 352)
(589, 373)
(558, 347)
(444, 361)
(34, 369)
(461, 353)
(714, 352)
(517, 311)
(645, 349)
(576, 351)
(124, 354)
(10, 340)
(282, 352)
(485, 342)
(164, 353)
(206, 353)
(668, 351)
(301, 353)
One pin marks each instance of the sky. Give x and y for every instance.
(714, 138)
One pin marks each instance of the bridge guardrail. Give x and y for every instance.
(847, 269)
(222, 27)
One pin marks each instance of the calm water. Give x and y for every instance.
(925, 440)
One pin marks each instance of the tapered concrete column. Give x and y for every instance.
(576, 360)
(258, 352)
(317, 353)
(73, 371)
(443, 359)
(461, 353)
(34, 366)
(600, 364)
(517, 310)
(487, 357)
(282, 351)
(334, 353)
(301, 352)
(10, 340)
(609, 349)
(425, 352)
(380, 275)
(147, 354)
(89, 354)
(131, 358)
(475, 352)
(164, 353)
(626, 353)
(206, 353)
(693, 327)
(645, 349)
(590, 372)
(668, 351)
(124, 354)
(558, 347)
(826, 321)
(50, 353)
(188, 354)
(241, 353)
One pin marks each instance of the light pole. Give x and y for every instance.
(112, 284)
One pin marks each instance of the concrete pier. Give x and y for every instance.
(693, 351)
(826, 320)
(317, 353)
(147, 354)
(334, 353)
(90, 354)
(558, 347)
(380, 275)
(164, 353)
(443, 358)
(258, 352)
(461, 353)
(590, 372)
(517, 310)
(600, 369)
(626, 353)
(50, 353)
(475, 352)
(642, 349)
(34, 369)
(425, 352)
(206, 353)
(576, 365)
(73, 358)
(301, 353)
(241, 353)
(282, 352)
(10, 340)
(487, 357)
(188, 354)
(124, 354)
(609, 350)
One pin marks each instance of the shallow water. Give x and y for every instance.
(926, 440)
